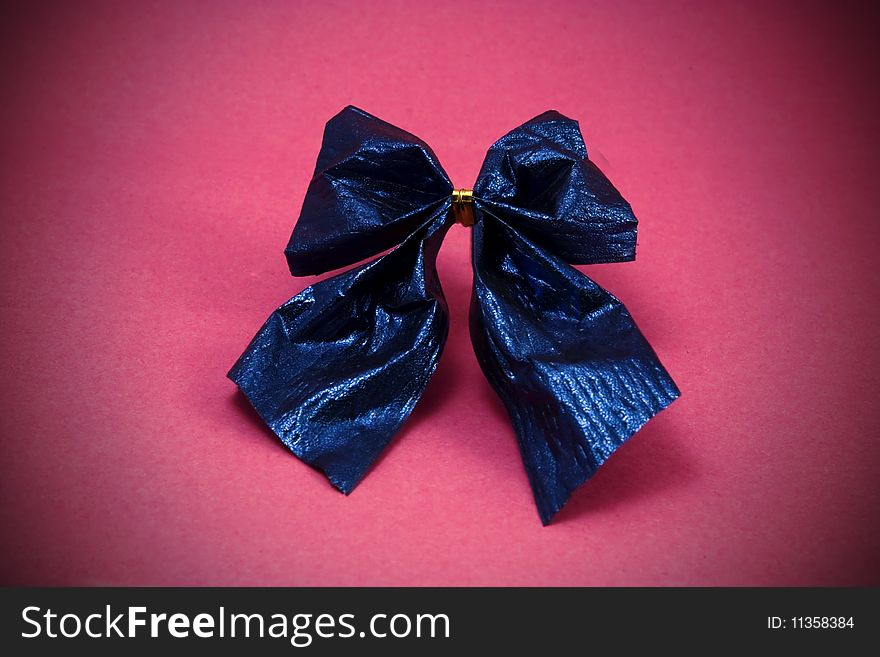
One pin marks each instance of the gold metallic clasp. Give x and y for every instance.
(462, 196)
(462, 206)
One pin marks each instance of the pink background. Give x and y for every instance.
(155, 159)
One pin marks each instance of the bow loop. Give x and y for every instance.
(540, 180)
(374, 184)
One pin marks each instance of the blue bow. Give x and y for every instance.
(336, 370)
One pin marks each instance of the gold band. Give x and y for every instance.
(462, 202)
(462, 196)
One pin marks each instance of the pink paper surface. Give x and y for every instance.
(155, 160)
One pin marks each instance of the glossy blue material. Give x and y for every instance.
(336, 370)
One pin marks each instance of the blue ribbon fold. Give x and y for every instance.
(336, 370)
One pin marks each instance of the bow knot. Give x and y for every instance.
(462, 196)
(338, 368)
(462, 199)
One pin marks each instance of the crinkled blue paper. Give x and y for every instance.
(336, 370)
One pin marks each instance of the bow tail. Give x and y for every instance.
(566, 358)
(336, 370)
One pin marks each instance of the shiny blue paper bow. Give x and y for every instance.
(336, 370)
